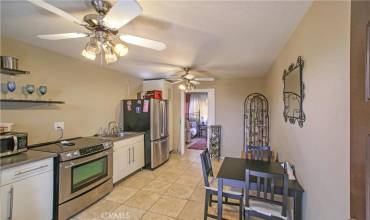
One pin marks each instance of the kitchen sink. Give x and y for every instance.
(119, 135)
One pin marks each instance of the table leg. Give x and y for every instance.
(219, 199)
(297, 206)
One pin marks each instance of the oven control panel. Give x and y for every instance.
(86, 151)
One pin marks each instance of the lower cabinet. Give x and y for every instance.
(128, 156)
(26, 192)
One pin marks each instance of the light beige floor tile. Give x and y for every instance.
(120, 194)
(98, 210)
(181, 191)
(198, 194)
(157, 186)
(168, 176)
(188, 180)
(168, 206)
(149, 174)
(124, 212)
(154, 216)
(136, 182)
(192, 211)
(143, 199)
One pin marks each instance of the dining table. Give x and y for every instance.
(232, 173)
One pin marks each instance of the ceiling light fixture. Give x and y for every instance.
(120, 49)
(182, 87)
(88, 55)
(103, 44)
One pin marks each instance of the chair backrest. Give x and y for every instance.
(206, 166)
(260, 153)
(266, 183)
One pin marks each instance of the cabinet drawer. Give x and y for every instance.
(130, 141)
(26, 170)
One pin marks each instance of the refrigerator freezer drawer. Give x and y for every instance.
(159, 152)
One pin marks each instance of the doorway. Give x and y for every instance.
(197, 110)
(196, 120)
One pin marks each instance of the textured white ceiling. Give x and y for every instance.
(226, 39)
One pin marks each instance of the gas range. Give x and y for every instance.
(75, 147)
(83, 173)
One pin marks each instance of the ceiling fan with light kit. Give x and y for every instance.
(188, 80)
(103, 29)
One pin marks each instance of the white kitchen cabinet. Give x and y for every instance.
(26, 191)
(128, 157)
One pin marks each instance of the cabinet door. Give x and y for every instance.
(139, 160)
(118, 163)
(5, 201)
(33, 197)
(129, 160)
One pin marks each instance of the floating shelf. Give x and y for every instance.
(13, 72)
(32, 101)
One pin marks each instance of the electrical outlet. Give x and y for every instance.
(59, 125)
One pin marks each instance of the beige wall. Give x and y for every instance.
(92, 93)
(229, 98)
(320, 150)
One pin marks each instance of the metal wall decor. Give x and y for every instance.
(256, 121)
(215, 141)
(293, 93)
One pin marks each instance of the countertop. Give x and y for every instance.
(127, 136)
(23, 158)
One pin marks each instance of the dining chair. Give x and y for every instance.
(210, 185)
(260, 153)
(265, 204)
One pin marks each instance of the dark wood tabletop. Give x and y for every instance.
(234, 169)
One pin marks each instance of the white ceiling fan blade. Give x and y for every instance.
(176, 82)
(61, 36)
(122, 13)
(143, 42)
(56, 11)
(204, 79)
(195, 82)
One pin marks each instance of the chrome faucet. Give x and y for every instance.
(112, 128)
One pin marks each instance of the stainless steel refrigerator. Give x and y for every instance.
(149, 116)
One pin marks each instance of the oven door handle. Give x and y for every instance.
(69, 164)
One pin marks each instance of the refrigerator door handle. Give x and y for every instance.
(163, 118)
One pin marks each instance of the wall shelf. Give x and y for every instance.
(13, 72)
(31, 101)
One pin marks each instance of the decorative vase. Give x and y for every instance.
(43, 90)
(11, 86)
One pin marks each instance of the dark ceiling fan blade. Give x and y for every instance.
(122, 12)
(57, 11)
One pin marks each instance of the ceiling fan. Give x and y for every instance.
(188, 81)
(103, 29)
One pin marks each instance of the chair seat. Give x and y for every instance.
(213, 186)
(265, 208)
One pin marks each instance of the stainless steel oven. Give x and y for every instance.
(82, 174)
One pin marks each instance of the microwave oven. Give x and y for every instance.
(12, 143)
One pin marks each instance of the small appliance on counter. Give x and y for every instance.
(12, 143)
(153, 94)
(149, 116)
(84, 171)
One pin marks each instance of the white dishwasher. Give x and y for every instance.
(26, 191)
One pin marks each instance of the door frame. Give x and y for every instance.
(211, 113)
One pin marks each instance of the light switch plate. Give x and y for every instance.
(59, 125)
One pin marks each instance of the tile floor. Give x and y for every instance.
(172, 191)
